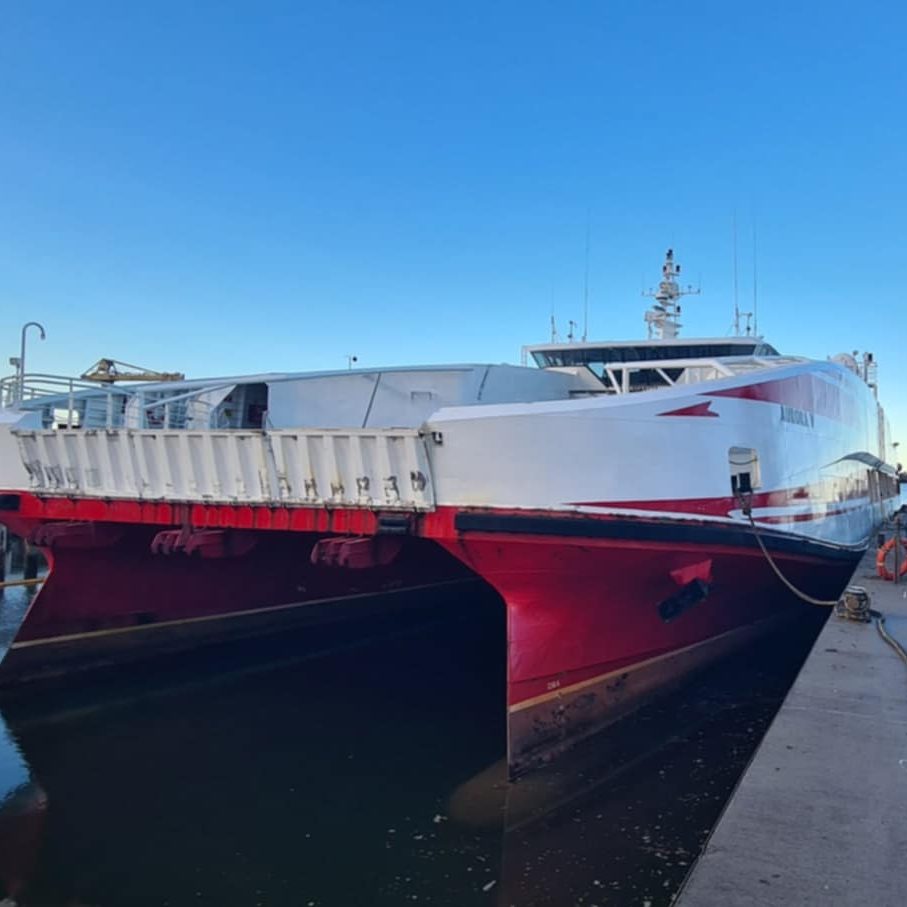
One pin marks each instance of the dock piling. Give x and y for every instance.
(31, 563)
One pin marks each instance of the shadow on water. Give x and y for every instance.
(311, 771)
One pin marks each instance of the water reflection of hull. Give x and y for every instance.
(23, 808)
(253, 789)
(22, 814)
(622, 817)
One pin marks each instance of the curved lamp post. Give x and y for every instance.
(25, 328)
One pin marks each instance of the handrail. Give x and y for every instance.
(39, 389)
(25, 391)
(189, 395)
(38, 384)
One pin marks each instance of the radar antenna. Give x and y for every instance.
(663, 318)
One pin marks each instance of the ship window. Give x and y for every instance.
(597, 356)
(745, 472)
(874, 494)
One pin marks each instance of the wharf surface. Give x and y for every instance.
(820, 815)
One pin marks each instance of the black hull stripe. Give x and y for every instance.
(646, 531)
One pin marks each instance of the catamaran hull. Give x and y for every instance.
(602, 615)
(110, 598)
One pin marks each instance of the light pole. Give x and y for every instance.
(25, 328)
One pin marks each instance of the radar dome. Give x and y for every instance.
(847, 361)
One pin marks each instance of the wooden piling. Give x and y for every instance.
(32, 562)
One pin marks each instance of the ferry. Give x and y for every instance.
(631, 502)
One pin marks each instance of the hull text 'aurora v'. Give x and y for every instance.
(599, 494)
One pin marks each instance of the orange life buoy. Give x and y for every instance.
(881, 567)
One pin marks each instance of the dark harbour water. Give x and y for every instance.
(319, 772)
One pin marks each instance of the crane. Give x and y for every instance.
(106, 371)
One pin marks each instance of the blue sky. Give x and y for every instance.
(230, 187)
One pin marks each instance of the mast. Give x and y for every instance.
(663, 318)
(586, 279)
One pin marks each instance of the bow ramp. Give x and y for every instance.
(386, 469)
(159, 540)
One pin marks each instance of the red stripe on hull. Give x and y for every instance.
(719, 506)
(808, 392)
(697, 409)
(32, 508)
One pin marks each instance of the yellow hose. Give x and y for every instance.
(6, 584)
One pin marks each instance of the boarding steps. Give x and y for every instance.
(386, 469)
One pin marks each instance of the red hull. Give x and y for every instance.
(601, 612)
(127, 585)
(115, 599)
(596, 625)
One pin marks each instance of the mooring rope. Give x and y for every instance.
(851, 607)
(883, 632)
(824, 603)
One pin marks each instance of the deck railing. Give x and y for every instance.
(67, 402)
(617, 376)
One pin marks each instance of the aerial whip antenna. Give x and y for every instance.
(755, 307)
(554, 337)
(736, 306)
(586, 279)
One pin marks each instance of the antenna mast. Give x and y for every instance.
(662, 318)
(755, 306)
(736, 305)
(586, 279)
(737, 313)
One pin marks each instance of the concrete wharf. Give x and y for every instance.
(820, 815)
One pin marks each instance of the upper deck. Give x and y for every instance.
(595, 355)
(406, 397)
(631, 367)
